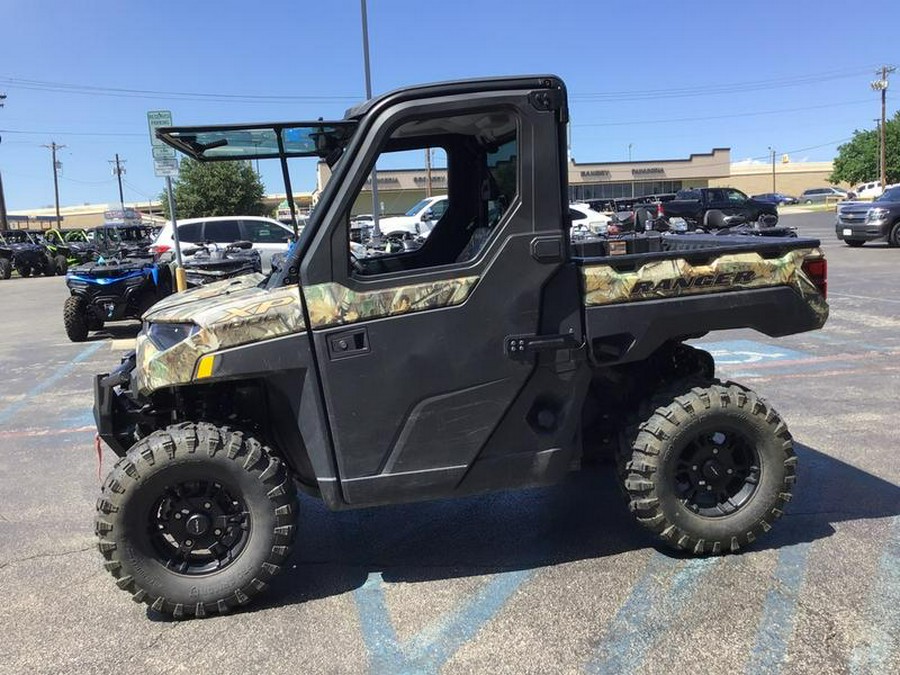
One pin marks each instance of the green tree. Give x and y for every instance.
(857, 160)
(216, 189)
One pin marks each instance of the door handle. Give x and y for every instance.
(348, 343)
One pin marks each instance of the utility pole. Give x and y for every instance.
(772, 150)
(877, 121)
(4, 223)
(882, 85)
(427, 172)
(119, 170)
(53, 148)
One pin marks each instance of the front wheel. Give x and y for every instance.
(710, 470)
(24, 270)
(196, 519)
(62, 264)
(75, 318)
(49, 269)
(894, 236)
(5, 268)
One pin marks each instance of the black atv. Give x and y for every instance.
(25, 255)
(210, 262)
(112, 290)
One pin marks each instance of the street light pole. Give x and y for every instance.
(53, 148)
(376, 228)
(772, 150)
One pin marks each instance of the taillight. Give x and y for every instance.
(660, 211)
(159, 249)
(817, 271)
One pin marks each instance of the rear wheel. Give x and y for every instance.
(75, 318)
(49, 268)
(196, 519)
(854, 243)
(5, 268)
(711, 470)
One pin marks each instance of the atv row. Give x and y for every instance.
(128, 284)
(26, 253)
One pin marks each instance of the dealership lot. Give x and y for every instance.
(550, 580)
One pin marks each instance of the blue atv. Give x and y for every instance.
(118, 289)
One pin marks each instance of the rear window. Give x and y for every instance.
(222, 231)
(192, 233)
(261, 232)
(688, 194)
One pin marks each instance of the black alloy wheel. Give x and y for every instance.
(198, 527)
(894, 237)
(716, 473)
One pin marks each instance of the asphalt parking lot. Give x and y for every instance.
(550, 580)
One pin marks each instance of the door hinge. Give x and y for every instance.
(546, 99)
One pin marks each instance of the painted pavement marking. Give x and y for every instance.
(874, 656)
(747, 352)
(654, 602)
(64, 371)
(430, 649)
(776, 624)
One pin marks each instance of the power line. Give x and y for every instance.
(721, 117)
(62, 87)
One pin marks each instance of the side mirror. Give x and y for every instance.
(428, 215)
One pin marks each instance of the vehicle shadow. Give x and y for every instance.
(582, 518)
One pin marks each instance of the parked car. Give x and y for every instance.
(717, 208)
(777, 198)
(859, 222)
(821, 195)
(869, 190)
(585, 219)
(420, 219)
(267, 236)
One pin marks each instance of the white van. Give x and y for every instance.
(267, 236)
(871, 190)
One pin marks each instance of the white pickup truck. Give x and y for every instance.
(420, 219)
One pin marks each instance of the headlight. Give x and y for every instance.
(166, 335)
(877, 214)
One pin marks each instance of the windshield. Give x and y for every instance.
(419, 206)
(16, 237)
(890, 195)
(260, 141)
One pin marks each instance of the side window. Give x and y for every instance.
(192, 233)
(261, 232)
(221, 231)
(481, 179)
(576, 215)
(716, 196)
(735, 196)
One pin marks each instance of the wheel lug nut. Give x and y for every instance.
(715, 451)
(217, 531)
(188, 542)
(709, 487)
(177, 516)
(207, 505)
(729, 472)
(694, 467)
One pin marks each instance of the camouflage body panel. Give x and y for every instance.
(245, 315)
(603, 285)
(236, 312)
(331, 304)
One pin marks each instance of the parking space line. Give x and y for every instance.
(875, 655)
(776, 624)
(430, 649)
(832, 294)
(13, 409)
(649, 610)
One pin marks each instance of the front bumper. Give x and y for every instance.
(860, 231)
(116, 412)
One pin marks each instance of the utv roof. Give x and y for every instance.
(319, 138)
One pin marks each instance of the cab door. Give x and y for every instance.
(417, 350)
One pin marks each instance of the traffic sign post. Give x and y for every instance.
(165, 165)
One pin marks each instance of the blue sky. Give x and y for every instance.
(670, 78)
